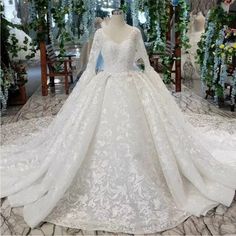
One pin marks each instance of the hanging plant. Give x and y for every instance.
(182, 23)
(157, 26)
(206, 55)
(44, 13)
(88, 18)
(39, 19)
(63, 36)
(212, 53)
(78, 8)
(123, 6)
(14, 47)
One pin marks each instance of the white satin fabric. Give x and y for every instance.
(119, 156)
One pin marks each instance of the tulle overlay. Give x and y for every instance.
(120, 155)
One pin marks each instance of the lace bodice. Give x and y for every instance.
(118, 57)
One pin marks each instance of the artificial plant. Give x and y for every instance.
(44, 12)
(212, 53)
(158, 15)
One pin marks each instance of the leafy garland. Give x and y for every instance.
(88, 17)
(43, 13)
(58, 14)
(158, 13)
(182, 23)
(157, 22)
(210, 50)
(39, 19)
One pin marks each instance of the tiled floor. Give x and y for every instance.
(219, 221)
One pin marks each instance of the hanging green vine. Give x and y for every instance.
(211, 53)
(63, 35)
(182, 23)
(40, 20)
(158, 14)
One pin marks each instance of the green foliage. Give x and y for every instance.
(209, 53)
(10, 44)
(219, 91)
(182, 23)
(124, 6)
(14, 47)
(40, 22)
(220, 18)
(59, 18)
(159, 12)
(78, 7)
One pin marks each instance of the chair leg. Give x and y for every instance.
(66, 84)
(71, 79)
(51, 83)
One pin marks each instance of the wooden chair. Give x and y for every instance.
(155, 58)
(59, 66)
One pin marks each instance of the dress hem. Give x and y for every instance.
(93, 227)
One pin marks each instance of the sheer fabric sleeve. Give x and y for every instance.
(141, 52)
(90, 71)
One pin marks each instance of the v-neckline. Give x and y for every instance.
(118, 43)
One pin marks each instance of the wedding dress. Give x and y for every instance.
(119, 156)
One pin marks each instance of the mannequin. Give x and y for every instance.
(199, 23)
(117, 29)
(85, 51)
(15, 19)
(197, 27)
(226, 4)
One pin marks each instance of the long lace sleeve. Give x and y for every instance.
(141, 52)
(93, 56)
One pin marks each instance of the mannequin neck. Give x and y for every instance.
(117, 29)
(117, 21)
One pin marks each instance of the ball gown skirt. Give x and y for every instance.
(119, 156)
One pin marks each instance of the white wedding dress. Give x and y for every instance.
(119, 156)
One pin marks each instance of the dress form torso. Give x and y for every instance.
(117, 29)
